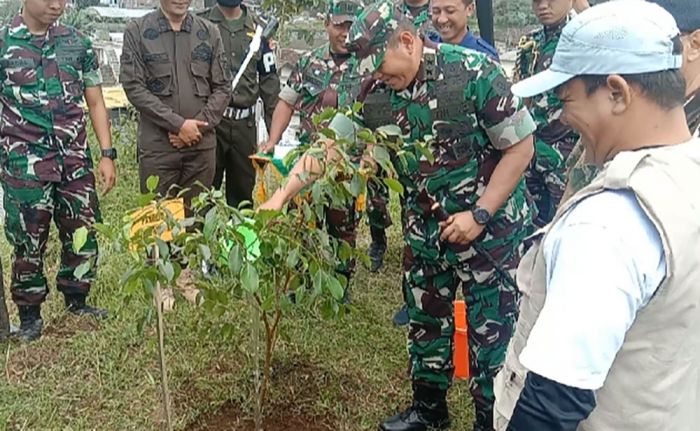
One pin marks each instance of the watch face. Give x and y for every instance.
(481, 215)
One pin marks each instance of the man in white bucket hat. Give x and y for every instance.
(607, 335)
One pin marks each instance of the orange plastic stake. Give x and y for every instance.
(461, 347)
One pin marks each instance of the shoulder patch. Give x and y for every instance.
(203, 34)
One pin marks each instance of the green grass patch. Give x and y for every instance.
(344, 374)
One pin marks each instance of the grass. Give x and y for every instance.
(85, 375)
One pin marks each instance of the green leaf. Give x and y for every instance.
(357, 185)
(79, 239)
(206, 252)
(381, 155)
(390, 130)
(328, 133)
(394, 185)
(210, 223)
(235, 260)
(293, 258)
(344, 251)
(145, 199)
(249, 278)
(152, 183)
(356, 106)
(365, 135)
(81, 270)
(335, 288)
(168, 271)
(425, 152)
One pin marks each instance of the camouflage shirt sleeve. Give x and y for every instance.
(92, 76)
(292, 90)
(501, 114)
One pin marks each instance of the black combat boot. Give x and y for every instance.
(429, 411)
(401, 318)
(76, 304)
(377, 248)
(30, 323)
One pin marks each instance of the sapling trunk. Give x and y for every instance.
(161, 352)
(4, 317)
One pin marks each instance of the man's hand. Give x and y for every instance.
(176, 142)
(267, 147)
(275, 203)
(108, 174)
(460, 228)
(189, 132)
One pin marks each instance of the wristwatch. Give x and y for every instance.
(110, 153)
(481, 216)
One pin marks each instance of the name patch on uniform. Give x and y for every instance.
(69, 54)
(17, 63)
(155, 57)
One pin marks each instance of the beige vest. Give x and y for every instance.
(654, 382)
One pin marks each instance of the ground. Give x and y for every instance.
(341, 375)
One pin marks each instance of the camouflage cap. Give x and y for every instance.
(370, 33)
(340, 11)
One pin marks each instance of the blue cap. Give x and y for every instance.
(685, 12)
(618, 37)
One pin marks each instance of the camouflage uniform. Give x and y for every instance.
(321, 80)
(546, 178)
(45, 163)
(378, 193)
(466, 136)
(420, 16)
(582, 173)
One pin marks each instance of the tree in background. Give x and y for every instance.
(512, 19)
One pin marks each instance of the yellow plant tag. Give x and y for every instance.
(149, 217)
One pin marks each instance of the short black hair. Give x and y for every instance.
(404, 25)
(665, 88)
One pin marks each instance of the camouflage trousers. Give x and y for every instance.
(341, 224)
(546, 177)
(378, 205)
(492, 306)
(29, 208)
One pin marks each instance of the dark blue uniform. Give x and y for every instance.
(472, 42)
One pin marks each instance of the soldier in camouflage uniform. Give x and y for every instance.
(236, 135)
(482, 144)
(546, 178)
(687, 16)
(378, 217)
(322, 78)
(45, 163)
